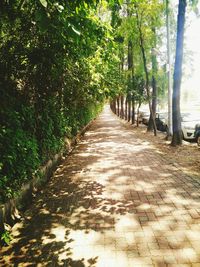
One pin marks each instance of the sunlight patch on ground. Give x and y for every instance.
(145, 206)
(144, 186)
(58, 233)
(44, 211)
(128, 207)
(80, 237)
(128, 222)
(178, 200)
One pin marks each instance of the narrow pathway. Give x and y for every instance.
(114, 202)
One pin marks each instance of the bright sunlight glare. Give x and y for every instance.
(191, 77)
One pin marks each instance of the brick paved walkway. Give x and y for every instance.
(114, 202)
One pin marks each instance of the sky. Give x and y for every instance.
(191, 82)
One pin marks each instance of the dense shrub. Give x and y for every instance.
(45, 82)
(25, 144)
(19, 153)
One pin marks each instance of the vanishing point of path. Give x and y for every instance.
(114, 202)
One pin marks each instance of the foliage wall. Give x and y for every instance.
(53, 69)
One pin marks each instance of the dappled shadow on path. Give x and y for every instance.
(115, 201)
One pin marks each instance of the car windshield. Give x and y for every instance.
(190, 117)
(161, 115)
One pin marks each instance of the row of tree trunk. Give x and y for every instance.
(124, 107)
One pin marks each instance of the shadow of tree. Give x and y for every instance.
(116, 192)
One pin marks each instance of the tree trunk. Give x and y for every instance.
(176, 115)
(122, 107)
(126, 104)
(169, 132)
(145, 70)
(154, 85)
(118, 106)
(154, 100)
(129, 107)
(133, 94)
(114, 105)
(130, 78)
(138, 112)
(133, 110)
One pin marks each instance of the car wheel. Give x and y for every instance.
(198, 140)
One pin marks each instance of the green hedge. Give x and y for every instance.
(26, 144)
(48, 86)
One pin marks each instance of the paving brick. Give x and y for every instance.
(194, 214)
(115, 201)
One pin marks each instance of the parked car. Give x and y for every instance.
(188, 123)
(197, 133)
(145, 117)
(161, 121)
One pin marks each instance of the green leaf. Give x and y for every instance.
(6, 237)
(85, 4)
(42, 20)
(44, 3)
(77, 10)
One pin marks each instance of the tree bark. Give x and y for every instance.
(154, 100)
(133, 95)
(126, 104)
(130, 77)
(114, 105)
(138, 112)
(122, 107)
(129, 107)
(145, 70)
(176, 115)
(133, 110)
(154, 85)
(169, 132)
(118, 106)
